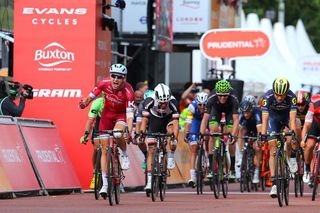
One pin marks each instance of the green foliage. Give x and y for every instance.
(6, 15)
(306, 10)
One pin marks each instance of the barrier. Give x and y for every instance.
(16, 173)
(48, 154)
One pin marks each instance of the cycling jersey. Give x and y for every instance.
(117, 103)
(194, 117)
(215, 108)
(314, 110)
(251, 123)
(279, 112)
(160, 117)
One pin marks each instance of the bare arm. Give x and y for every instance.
(264, 125)
(204, 123)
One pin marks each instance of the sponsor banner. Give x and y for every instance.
(309, 64)
(61, 50)
(234, 43)
(191, 16)
(134, 17)
(14, 161)
(48, 154)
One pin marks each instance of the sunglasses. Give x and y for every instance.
(223, 95)
(301, 105)
(117, 76)
(201, 105)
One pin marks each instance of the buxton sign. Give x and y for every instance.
(234, 43)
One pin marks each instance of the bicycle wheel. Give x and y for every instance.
(163, 177)
(97, 175)
(279, 177)
(316, 176)
(117, 179)
(199, 171)
(286, 183)
(243, 175)
(298, 183)
(224, 175)
(110, 168)
(155, 175)
(215, 182)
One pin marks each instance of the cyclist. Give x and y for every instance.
(278, 111)
(193, 121)
(116, 115)
(138, 115)
(221, 101)
(302, 109)
(93, 122)
(250, 125)
(310, 127)
(161, 113)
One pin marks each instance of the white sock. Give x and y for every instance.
(124, 153)
(104, 179)
(171, 155)
(192, 173)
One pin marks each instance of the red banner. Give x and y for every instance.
(61, 50)
(48, 154)
(234, 43)
(16, 172)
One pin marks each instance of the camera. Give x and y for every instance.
(27, 91)
(14, 89)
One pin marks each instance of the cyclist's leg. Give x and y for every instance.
(308, 150)
(170, 129)
(256, 161)
(195, 128)
(232, 147)
(151, 142)
(121, 140)
(214, 121)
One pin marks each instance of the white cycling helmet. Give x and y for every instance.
(251, 99)
(118, 69)
(162, 93)
(201, 98)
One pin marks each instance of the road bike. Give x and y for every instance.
(114, 172)
(159, 171)
(247, 166)
(298, 176)
(315, 174)
(282, 172)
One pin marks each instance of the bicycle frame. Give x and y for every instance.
(159, 172)
(316, 166)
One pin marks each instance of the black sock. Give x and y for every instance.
(233, 160)
(210, 160)
(274, 181)
(307, 167)
(145, 154)
(293, 154)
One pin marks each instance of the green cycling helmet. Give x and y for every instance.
(223, 87)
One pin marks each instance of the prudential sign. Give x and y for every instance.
(234, 43)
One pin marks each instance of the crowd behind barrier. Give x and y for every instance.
(33, 158)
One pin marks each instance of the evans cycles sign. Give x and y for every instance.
(234, 43)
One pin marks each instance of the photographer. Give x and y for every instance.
(14, 91)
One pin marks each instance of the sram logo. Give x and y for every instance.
(57, 11)
(57, 93)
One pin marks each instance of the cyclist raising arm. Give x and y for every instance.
(278, 111)
(116, 115)
(312, 127)
(161, 114)
(221, 101)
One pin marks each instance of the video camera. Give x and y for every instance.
(14, 88)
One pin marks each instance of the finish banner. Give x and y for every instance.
(16, 172)
(61, 50)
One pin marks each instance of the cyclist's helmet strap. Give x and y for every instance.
(223, 87)
(280, 86)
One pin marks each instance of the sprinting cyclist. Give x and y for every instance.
(116, 115)
(193, 122)
(311, 127)
(93, 122)
(161, 114)
(221, 101)
(279, 111)
(302, 109)
(250, 125)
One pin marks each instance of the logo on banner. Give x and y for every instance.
(54, 57)
(194, 4)
(50, 156)
(13, 155)
(48, 16)
(234, 43)
(57, 93)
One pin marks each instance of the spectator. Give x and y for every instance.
(7, 103)
(142, 86)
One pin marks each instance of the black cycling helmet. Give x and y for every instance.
(246, 106)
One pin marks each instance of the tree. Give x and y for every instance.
(306, 10)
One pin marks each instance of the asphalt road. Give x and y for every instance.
(177, 200)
